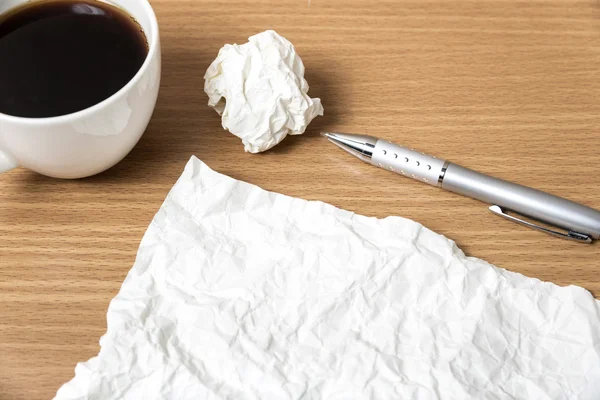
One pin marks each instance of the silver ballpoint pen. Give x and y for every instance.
(580, 223)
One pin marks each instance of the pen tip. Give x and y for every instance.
(326, 135)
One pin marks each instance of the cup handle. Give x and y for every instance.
(7, 162)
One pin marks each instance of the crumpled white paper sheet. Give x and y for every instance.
(238, 293)
(263, 83)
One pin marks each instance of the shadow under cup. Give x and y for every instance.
(90, 141)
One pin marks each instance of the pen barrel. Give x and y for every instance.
(408, 162)
(523, 200)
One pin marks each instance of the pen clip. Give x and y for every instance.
(570, 235)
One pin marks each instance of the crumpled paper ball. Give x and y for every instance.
(260, 92)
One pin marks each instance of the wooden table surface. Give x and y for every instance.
(507, 87)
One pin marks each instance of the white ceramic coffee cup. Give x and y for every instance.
(93, 140)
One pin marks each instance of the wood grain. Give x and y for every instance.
(506, 87)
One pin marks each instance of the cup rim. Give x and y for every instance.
(153, 48)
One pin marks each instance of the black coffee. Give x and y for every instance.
(59, 56)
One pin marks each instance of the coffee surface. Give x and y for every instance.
(62, 56)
